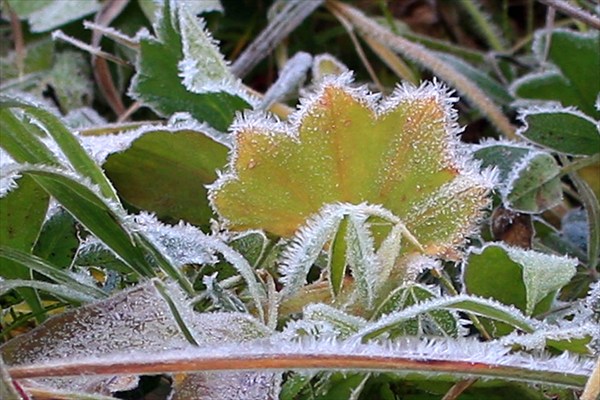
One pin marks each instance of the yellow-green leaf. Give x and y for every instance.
(344, 145)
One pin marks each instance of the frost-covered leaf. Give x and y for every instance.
(185, 244)
(22, 214)
(75, 286)
(101, 217)
(343, 324)
(250, 244)
(21, 136)
(45, 15)
(205, 88)
(563, 130)
(326, 64)
(465, 303)
(345, 231)
(526, 279)
(572, 337)
(343, 146)
(574, 80)
(529, 178)
(429, 358)
(137, 318)
(196, 7)
(143, 318)
(165, 169)
(435, 322)
(290, 78)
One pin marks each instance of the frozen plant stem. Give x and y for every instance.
(574, 12)
(158, 364)
(428, 60)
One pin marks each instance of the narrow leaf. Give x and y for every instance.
(465, 303)
(40, 266)
(67, 142)
(337, 257)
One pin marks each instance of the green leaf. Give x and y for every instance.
(66, 141)
(345, 325)
(563, 130)
(58, 241)
(93, 213)
(337, 257)
(158, 81)
(529, 179)
(22, 213)
(21, 143)
(535, 186)
(340, 149)
(575, 82)
(436, 322)
(252, 245)
(526, 279)
(166, 172)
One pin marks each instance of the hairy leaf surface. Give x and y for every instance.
(344, 146)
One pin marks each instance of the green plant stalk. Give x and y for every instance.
(483, 25)
(424, 57)
(261, 361)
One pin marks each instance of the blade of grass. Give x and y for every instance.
(58, 290)
(40, 266)
(22, 144)
(68, 143)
